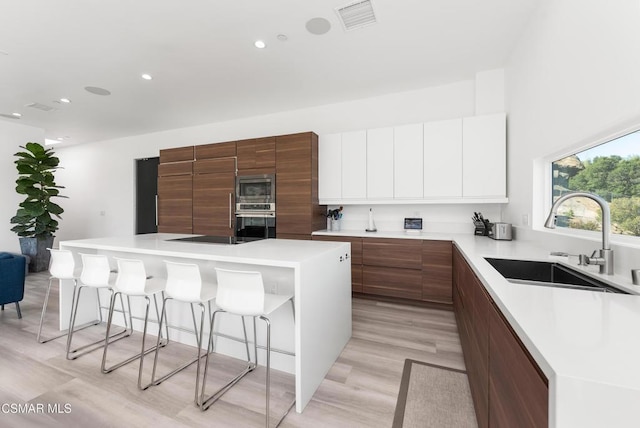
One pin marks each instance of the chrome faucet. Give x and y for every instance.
(605, 259)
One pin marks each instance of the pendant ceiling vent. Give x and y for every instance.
(356, 15)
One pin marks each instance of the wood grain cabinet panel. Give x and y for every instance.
(297, 210)
(392, 282)
(174, 204)
(518, 393)
(215, 166)
(178, 154)
(437, 271)
(213, 204)
(507, 386)
(256, 153)
(396, 253)
(175, 168)
(215, 150)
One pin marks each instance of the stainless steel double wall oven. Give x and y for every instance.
(256, 206)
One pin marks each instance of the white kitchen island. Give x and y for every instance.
(317, 273)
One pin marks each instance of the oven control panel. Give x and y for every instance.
(254, 207)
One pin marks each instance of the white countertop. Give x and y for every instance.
(267, 252)
(587, 343)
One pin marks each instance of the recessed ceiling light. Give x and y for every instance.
(16, 114)
(65, 100)
(49, 142)
(97, 91)
(282, 37)
(146, 76)
(260, 44)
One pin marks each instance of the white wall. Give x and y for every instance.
(573, 77)
(100, 176)
(12, 136)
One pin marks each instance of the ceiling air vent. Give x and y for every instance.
(356, 15)
(39, 106)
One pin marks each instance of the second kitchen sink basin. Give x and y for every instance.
(548, 274)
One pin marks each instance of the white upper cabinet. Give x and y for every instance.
(408, 179)
(380, 163)
(330, 166)
(354, 165)
(443, 159)
(449, 161)
(484, 160)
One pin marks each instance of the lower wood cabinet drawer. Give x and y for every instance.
(392, 282)
(393, 253)
(356, 278)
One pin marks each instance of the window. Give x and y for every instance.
(610, 170)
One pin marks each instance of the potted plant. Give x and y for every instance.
(34, 222)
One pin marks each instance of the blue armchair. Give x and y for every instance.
(12, 271)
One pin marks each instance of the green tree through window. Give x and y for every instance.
(610, 170)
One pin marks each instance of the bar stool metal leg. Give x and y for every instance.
(206, 402)
(144, 333)
(97, 344)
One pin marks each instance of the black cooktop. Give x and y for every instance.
(206, 239)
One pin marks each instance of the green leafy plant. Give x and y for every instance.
(36, 167)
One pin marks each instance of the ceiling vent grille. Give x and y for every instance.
(39, 106)
(356, 15)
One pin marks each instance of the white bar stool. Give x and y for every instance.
(184, 284)
(95, 274)
(62, 267)
(132, 281)
(242, 293)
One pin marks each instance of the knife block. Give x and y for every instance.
(481, 229)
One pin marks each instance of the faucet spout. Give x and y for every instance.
(606, 254)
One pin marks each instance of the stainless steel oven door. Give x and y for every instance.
(256, 188)
(256, 225)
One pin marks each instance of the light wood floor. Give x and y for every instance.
(360, 390)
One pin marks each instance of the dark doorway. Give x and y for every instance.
(147, 195)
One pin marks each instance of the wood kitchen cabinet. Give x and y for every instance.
(471, 312)
(392, 267)
(179, 154)
(297, 210)
(518, 391)
(175, 173)
(256, 156)
(214, 180)
(507, 386)
(215, 150)
(356, 257)
(213, 196)
(436, 271)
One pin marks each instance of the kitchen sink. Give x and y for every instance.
(548, 274)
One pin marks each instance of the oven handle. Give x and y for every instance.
(256, 214)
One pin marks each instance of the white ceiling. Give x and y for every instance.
(206, 69)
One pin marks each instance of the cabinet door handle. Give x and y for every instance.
(230, 195)
(156, 210)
